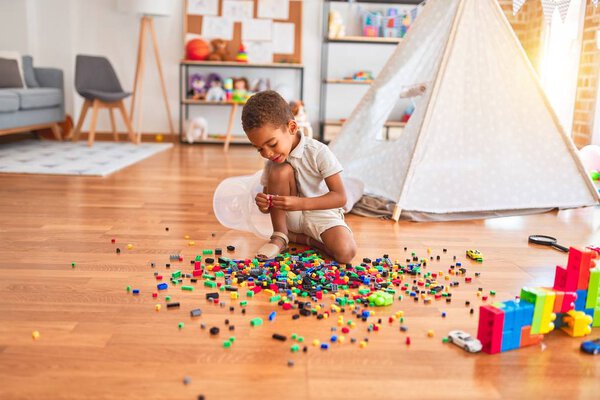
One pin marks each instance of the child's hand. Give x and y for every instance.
(262, 201)
(288, 203)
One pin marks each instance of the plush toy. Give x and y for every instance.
(219, 52)
(297, 107)
(197, 130)
(240, 90)
(197, 87)
(215, 89)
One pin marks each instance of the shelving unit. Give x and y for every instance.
(274, 71)
(328, 124)
(185, 103)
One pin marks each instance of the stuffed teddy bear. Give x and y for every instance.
(197, 130)
(219, 52)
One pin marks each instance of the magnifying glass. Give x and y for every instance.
(547, 241)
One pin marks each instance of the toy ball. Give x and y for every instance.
(590, 157)
(197, 49)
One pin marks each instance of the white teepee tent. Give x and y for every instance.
(483, 139)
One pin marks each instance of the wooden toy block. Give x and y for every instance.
(489, 332)
(578, 323)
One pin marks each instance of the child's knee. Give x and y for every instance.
(344, 253)
(281, 172)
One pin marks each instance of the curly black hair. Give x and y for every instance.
(267, 107)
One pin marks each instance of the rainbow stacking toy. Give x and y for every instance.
(572, 304)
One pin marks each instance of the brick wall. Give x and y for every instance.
(587, 80)
(527, 24)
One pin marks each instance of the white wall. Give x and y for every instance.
(55, 31)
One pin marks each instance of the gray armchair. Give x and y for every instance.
(39, 105)
(97, 82)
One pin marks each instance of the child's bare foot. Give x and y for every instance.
(276, 245)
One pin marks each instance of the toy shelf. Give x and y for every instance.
(331, 127)
(364, 39)
(388, 124)
(349, 81)
(185, 102)
(241, 65)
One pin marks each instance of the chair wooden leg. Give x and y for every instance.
(84, 110)
(113, 125)
(92, 133)
(127, 122)
(56, 131)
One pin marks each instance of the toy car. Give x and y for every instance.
(465, 341)
(475, 255)
(591, 346)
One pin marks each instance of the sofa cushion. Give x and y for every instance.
(10, 77)
(29, 73)
(38, 98)
(9, 101)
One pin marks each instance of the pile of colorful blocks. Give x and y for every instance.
(572, 304)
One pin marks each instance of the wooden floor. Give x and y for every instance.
(99, 342)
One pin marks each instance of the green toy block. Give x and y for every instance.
(295, 348)
(249, 293)
(243, 303)
(175, 274)
(227, 344)
(381, 299)
(256, 322)
(188, 288)
(210, 284)
(596, 320)
(219, 274)
(207, 251)
(538, 299)
(593, 294)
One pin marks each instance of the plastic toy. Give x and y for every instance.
(219, 52)
(591, 346)
(572, 304)
(197, 49)
(475, 255)
(465, 341)
(240, 93)
(241, 55)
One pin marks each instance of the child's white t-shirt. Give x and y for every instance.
(312, 161)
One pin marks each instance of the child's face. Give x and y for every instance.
(274, 143)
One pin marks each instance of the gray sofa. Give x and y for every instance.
(39, 105)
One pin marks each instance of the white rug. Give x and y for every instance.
(67, 158)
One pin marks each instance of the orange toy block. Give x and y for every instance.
(558, 301)
(527, 339)
(577, 323)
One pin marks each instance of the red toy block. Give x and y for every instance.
(197, 265)
(568, 302)
(560, 278)
(256, 289)
(578, 269)
(527, 339)
(489, 332)
(197, 272)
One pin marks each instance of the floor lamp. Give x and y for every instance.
(147, 9)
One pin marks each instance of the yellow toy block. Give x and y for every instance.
(548, 317)
(233, 295)
(577, 323)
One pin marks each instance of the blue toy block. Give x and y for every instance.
(162, 286)
(511, 340)
(524, 313)
(510, 314)
(589, 311)
(581, 300)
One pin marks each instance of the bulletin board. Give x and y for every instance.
(192, 24)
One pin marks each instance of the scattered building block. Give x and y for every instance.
(578, 323)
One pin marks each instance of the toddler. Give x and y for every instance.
(303, 190)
